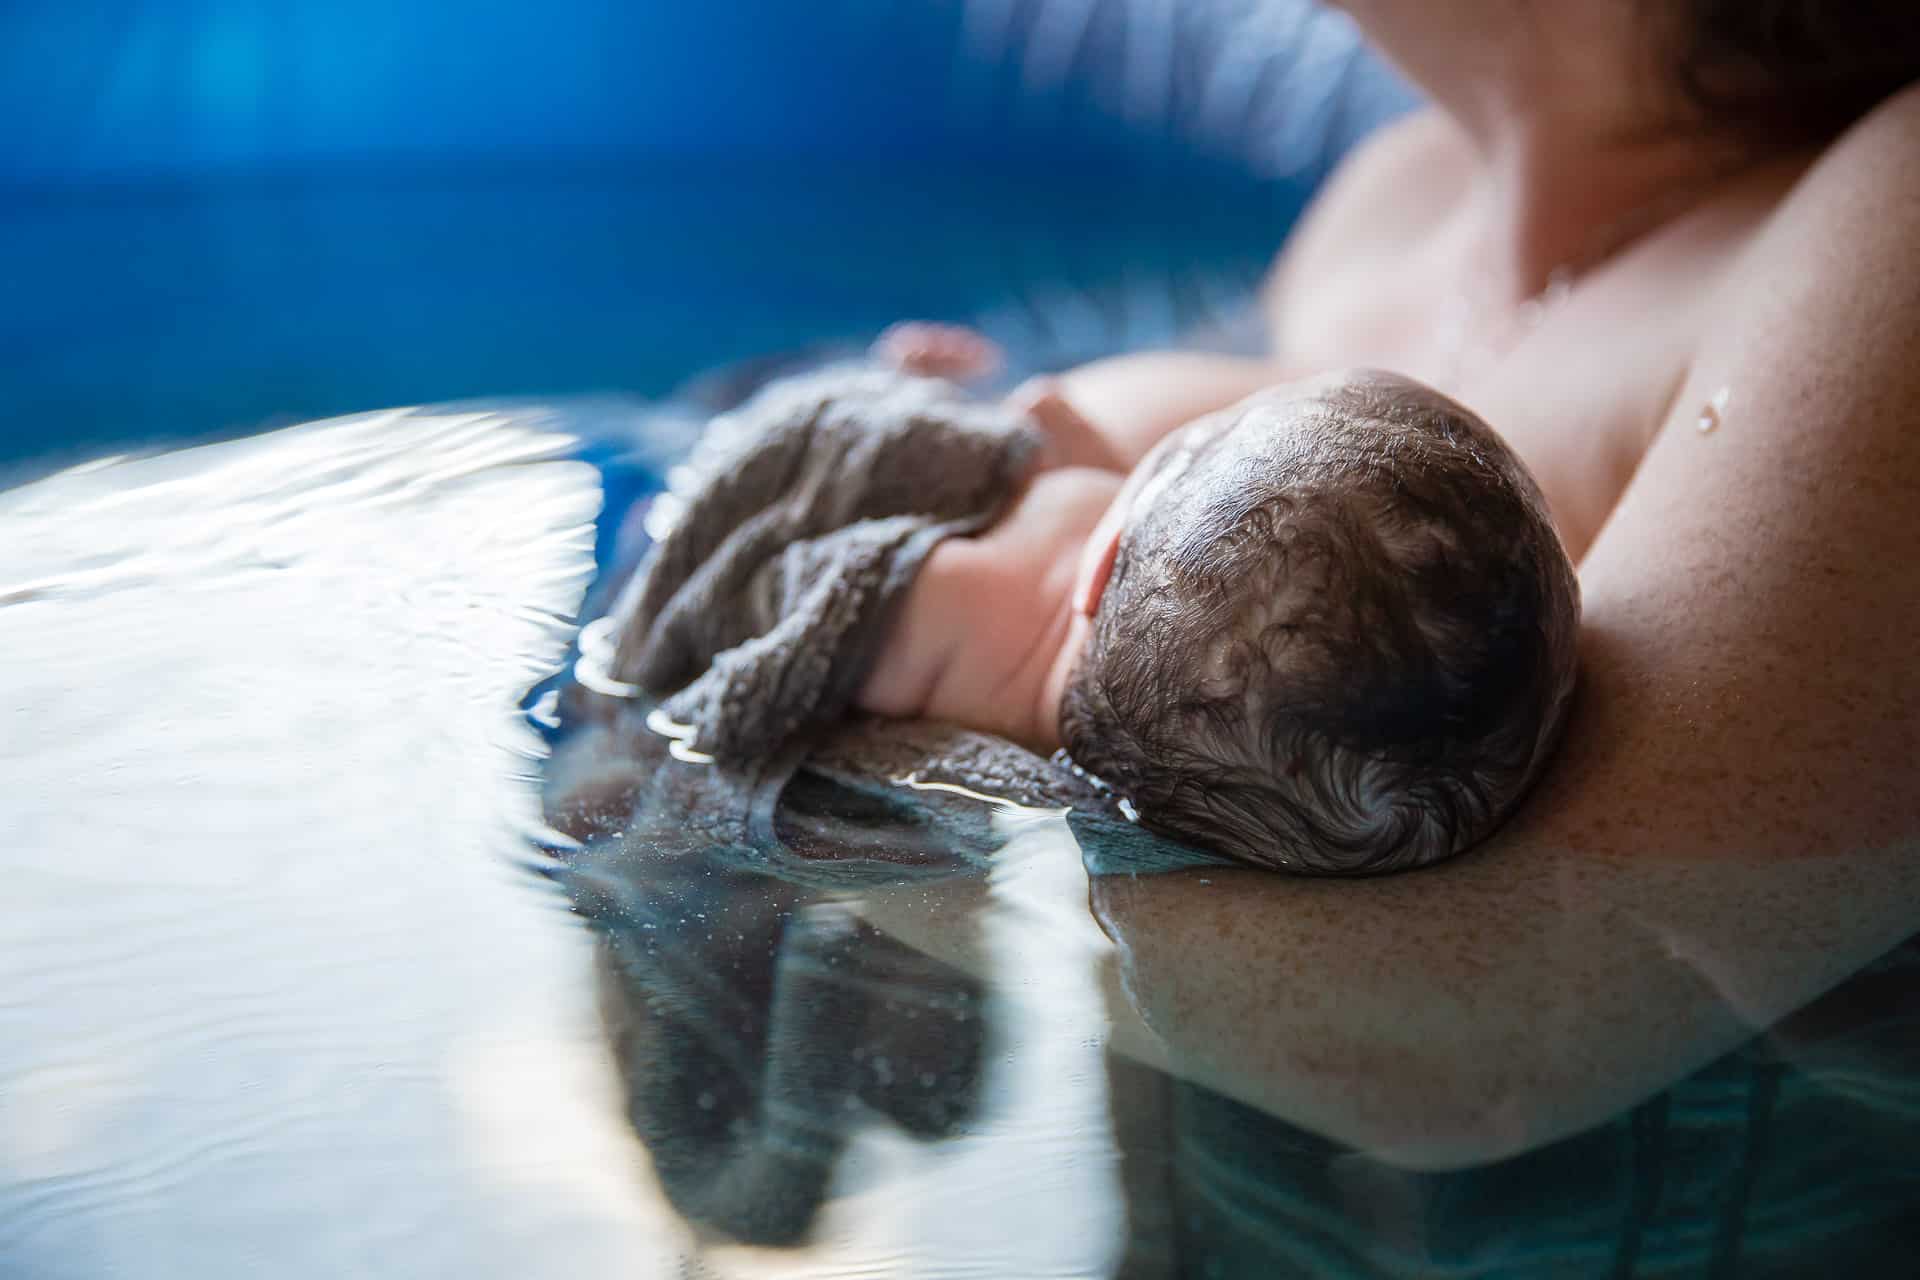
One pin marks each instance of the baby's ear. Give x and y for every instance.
(1097, 556)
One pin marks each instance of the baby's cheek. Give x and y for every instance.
(1015, 602)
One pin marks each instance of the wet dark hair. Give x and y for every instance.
(1793, 70)
(1339, 640)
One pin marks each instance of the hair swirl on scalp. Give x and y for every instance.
(1345, 648)
(1799, 70)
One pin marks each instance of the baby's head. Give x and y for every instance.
(1338, 636)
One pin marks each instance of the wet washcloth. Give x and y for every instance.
(849, 807)
(788, 537)
(782, 542)
(758, 1022)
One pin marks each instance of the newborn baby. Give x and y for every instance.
(1328, 630)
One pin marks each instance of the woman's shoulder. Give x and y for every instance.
(1831, 280)
(1424, 149)
(1805, 355)
(1864, 188)
(1395, 185)
(1891, 131)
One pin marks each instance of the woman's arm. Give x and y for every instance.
(1733, 825)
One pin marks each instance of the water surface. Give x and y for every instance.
(295, 976)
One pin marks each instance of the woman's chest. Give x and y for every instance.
(1578, 380)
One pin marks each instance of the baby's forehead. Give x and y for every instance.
(1360, 448)
(1285, 441)
(1344, 404)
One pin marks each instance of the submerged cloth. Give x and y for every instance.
(745, 1001)
(759, 1024)
(789, 537)
(860, 802)
(751, 1017)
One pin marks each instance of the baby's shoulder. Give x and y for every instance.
(979, 605)
(1056, 506)
(1392, 195)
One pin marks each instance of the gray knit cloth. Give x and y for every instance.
(793, 530)
(796, 526)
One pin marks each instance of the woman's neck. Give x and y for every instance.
(1552, 206)
(1576, 150)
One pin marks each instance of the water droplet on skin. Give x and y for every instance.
(1714, 409)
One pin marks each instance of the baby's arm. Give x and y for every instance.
(984, 625)
(1132, 402)
(1107, 414)
(921, 638)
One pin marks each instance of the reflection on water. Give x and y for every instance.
(281, 987)
(755, 974)
(296, 978)
(270, 970)
(800, 1078)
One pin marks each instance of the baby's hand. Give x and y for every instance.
(1071, 441)
(938, 350)
(961, 354)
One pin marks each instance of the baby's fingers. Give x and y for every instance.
(938, 351)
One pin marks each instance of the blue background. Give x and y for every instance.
(222, 214)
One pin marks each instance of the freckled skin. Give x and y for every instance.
(1732, 825)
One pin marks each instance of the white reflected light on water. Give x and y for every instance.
(275, 987)
(278, 989)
